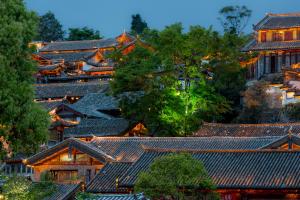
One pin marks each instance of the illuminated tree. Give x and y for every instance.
(23, 124)
(173, 79)
(173, 177)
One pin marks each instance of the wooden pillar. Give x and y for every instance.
(279, 61)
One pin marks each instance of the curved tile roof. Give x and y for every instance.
(80, 45)
(252, 169)
(279, 21)
(129, 149)
(247, 130)
(106, 180)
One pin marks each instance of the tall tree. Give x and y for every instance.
(49, 28)
(23, 125)
(138, 25)
(234, 18)
(174, 175)
(176, 96)
(84, 33)
(256, 103)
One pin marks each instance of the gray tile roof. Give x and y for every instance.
(92, 104)
(98, 127)
(82, 146)
(60, 90)
(49, 105)
(118, 197)
(236, 169)
(80, 45)
(67, 57)
(64, 192)
(279, 21)
(106, 181)
(278, 45)
(247, 130)
(49, 67)
(129, 149)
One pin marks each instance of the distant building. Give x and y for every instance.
(69, 61)
(277, 44)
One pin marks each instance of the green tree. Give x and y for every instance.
(138, 25)
(84, 33)
(176, 96)
(229, 78)
(49, 28)
(175, 176)
(23, 124)
(234, 19)
(256, 103)
(17, 188)
(20, 188)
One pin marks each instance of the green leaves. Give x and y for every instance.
(22, 124)
(177, 95)
(84, 33)
(49, 28)
(172, 176)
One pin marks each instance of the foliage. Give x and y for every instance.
(85, 195)
(84, 33)
(23, 124)
(234, 18)
(20, 188)
(229, 77)
(174, 176)
(17, 188)
(290, 113)
(49, 28)
(42, 190)
(256, 104)
(177, 94)
(138, 25)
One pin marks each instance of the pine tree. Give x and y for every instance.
(137, 24)
(49, 28)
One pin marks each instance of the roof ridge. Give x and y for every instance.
(80, 41)
(172, 150)
(292, 14)
(255, 125)
(120, 138)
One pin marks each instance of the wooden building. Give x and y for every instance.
(81, 58)
(241, 167)
(277, 43)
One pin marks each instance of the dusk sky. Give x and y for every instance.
(111, 17)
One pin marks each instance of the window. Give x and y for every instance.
(288, 35)
(263, 36)
(277, 36)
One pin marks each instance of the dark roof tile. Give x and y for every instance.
(252, 169)
(64, 192)
(80, 45)
(247, 130)
(279, 21)
(98, 127)
(67, 57)
(129, 149)
(106, 181)
(60, 90)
